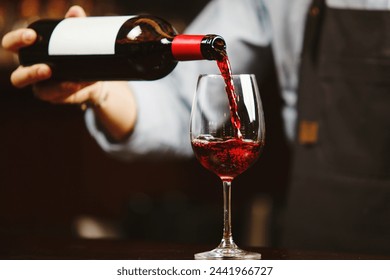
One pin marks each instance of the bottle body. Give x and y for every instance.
(114, 48)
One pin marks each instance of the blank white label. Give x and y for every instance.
(86, 36)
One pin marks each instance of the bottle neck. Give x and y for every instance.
(198, 47)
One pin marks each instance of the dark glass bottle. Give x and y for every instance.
(115, 48)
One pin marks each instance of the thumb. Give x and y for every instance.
(75, 11)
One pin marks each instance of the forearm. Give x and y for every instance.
(115, 109)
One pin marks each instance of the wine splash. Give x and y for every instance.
(226, 72)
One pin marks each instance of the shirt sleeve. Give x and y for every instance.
(164, 106)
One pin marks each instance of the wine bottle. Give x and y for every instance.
(115, 48)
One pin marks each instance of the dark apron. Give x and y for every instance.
(339, 199)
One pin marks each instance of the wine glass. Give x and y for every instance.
(227, 135)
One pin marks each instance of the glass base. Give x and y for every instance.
(227, 254)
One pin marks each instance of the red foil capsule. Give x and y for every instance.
(187, 47)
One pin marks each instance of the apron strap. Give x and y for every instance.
(314, 22)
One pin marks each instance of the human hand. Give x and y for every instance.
(112, 101)
(37, 75)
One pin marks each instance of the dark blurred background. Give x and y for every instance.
(55, 180)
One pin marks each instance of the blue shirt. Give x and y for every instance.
(164, 106)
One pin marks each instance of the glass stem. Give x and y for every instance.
(227, 240)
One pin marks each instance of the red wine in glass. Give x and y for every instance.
(226, 158)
